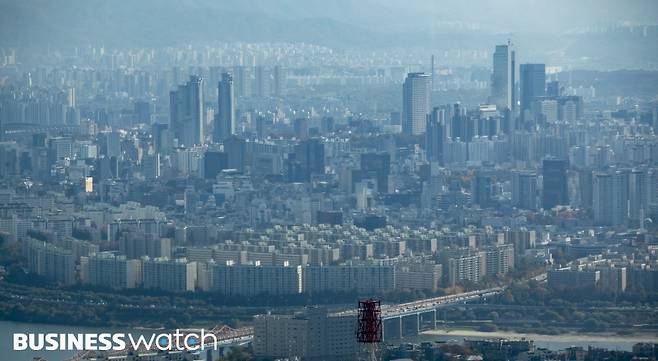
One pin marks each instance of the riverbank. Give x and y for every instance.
(578, 338)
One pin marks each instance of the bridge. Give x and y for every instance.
(411, 318)
(226, 336)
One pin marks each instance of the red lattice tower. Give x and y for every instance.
(369, 330)
(370, 321)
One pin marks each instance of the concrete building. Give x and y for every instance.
(253, 280)
(570, 278)
(418, 276)
(465, 267)
(498, 259)
(53, 263)
(177, 275)
(613, 278)
(109, 270)
(312, 335)
(348, 278)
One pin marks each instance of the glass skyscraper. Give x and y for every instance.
(225, 120)
(415, 103)
(503, 79)
(533, 85)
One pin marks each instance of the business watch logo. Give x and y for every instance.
(179, 341)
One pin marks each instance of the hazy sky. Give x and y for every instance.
(337, 23)
(413, 15)
(495, 15)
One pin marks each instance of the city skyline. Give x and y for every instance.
(328, 181)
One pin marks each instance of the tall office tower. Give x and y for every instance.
(160, 132)
(280, 81)
(432, 72)
(585, 192)
(236, 148)
(70, 98)
(151, 166)
(524, 190)
(533, 85)
(482, 189)
(415, 103)
(263, 81)
(225, 118)
(300, 126)
(376, 166)
(142, 112)
(554, 172)
(186, 112)
(638, 194)
(458, 122)
(213, 163)
(435, 135)
(654, 113)
(610, 201)
(307, 159)
(553, 89)
(327, 125)
(503, 79)
(111, 144)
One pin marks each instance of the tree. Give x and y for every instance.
(236, 354)
(488, 327)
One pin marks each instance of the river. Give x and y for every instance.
(551, 342)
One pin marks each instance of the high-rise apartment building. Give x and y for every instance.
(263, 81)
(165, 274)
(254, 279)
(363, 279)
(280, 81)
(45, 259)
(242, 81)
(109, 270)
